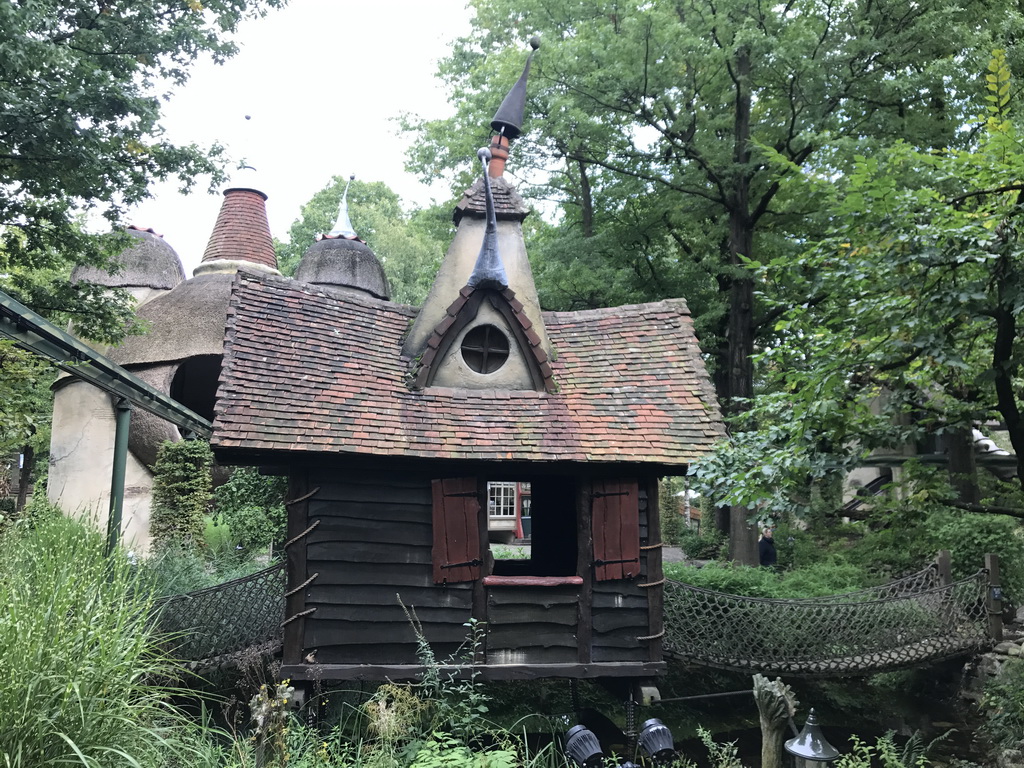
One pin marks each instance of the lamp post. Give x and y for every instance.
(811, 744)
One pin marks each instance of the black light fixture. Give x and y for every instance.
(656, 740)
(583, 747)
(811, 744)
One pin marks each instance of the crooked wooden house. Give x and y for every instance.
(390, 421)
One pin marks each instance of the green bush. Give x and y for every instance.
(252, 506)
(181, 493)
(77, 653)
(829, 578)
(706, 545)
(1004, 705)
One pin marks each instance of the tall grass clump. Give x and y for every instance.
(76, 654)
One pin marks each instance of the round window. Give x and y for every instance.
(485, 349)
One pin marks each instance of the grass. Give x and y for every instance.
(78, 659)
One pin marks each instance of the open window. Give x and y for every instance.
(551, 551)
(543, 511)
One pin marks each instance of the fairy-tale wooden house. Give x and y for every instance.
(391, 420)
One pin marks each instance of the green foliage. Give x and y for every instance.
(177, 569)
(25, 400)
(409, 247)
(181, 494)
(252, 507)
(706, 544)
(912, 323)
(78, 660)
(821, 579)
(79, 123)
(1003, 704)
(885, 753)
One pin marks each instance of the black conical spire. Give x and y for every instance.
(508, 120)
(489, 271)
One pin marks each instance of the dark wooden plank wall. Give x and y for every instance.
(621, 609)
(531, 625)
(371, 549)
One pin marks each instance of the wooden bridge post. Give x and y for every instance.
(944, 563)
(994, 598)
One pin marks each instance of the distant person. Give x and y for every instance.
(766, 549)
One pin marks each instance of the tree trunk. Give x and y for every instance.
(1003, 367)
(963, 465)
(740, 334)
(25, 476)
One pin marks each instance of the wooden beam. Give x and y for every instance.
(482, 672)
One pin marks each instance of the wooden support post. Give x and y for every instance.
(945, 567)
(122, 424)
(994, 598)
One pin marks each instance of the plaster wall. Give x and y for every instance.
(452, 371)
(81, 457)
(458, 266)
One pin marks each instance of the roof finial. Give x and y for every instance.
(489, 272)
(343, 226)
(508, 120)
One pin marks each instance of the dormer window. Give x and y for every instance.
(485, 349)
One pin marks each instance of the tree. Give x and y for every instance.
(25, 407)
(81, 86)
(920, 287)
(708, 109)
(409, 247)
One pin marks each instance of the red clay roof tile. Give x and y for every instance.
(304, 369)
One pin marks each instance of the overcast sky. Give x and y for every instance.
(323, 81)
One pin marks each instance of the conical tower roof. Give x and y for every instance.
(241, 236)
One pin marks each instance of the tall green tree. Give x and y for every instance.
(916, 328)
(81, 87)
(409, 246)
(708, 108)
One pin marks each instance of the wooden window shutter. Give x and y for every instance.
(615, 527)
(456, 530)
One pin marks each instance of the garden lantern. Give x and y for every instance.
(811, 744)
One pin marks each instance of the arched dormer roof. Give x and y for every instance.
(458, 355)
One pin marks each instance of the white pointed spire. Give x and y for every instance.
(343, 226)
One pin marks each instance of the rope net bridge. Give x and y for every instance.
(913, 620)
(916, 619)
(225, 619)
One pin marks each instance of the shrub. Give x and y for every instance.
(252, 506)
(821, 579)
(77, 653)
(706, 545)
(181, 493)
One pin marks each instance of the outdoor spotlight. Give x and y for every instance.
(656, 740)
(583, 747)
(811, 744)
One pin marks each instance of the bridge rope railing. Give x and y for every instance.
(224, 619)
(913, 620)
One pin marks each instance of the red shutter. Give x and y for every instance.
(615, 525)
(456, 530)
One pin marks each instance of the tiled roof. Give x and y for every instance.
(507, 202)
(305, 371)
(242, 232)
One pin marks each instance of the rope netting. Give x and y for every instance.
(906, 622)
(226, 618)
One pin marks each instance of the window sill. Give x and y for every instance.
(533, 581)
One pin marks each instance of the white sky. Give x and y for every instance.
(322, 81)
